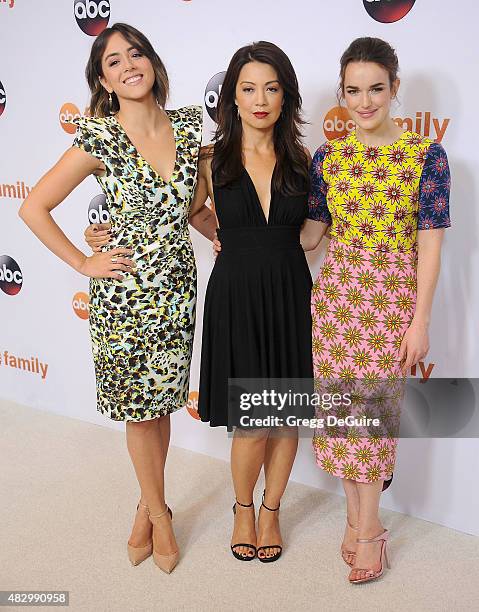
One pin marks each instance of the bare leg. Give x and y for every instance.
(247, 457)
(368, 555)
(352, 507)
(281, 448)
(145, 441)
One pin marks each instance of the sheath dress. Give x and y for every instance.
(142, 326)
(363, 301)
(257, 320)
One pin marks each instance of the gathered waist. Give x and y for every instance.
(263, 237)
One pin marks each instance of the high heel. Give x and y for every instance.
(167, 563)
(277, 555)
(373, 574)
(237, 555)
(137, 554)
(347, 553)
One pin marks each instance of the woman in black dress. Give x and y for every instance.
(257, 321)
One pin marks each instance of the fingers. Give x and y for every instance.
(128, 263)
(121, 251)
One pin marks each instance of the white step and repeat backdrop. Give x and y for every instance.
(45, 358)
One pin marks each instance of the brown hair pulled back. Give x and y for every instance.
(368, 49)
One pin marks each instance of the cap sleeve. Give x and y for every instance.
(434, 189)
(317, 202)
(90, 136)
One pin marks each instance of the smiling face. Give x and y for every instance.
(259, 95)
(126, 71)
(368, 94)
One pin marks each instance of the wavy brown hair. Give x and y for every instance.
(99, 102)
(291, 176)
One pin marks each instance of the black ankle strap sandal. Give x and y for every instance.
(277, 555)
(237, 555)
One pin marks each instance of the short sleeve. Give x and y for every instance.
(317, 202)
(434, 188)
(90, 136)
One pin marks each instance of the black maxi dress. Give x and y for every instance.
(257, 314)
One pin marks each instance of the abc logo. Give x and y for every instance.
(68, 112)
(337, 123)
(388, 11)
(212, 93)
(92, 15)
(81, 305)
(3, 98)
(98, 210)
(192, 405)
(11, 277)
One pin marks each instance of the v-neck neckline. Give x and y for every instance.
(266, 219)
(143, 158)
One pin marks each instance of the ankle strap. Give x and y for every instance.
(265, 506)
(244, 505)
(382, 536)
(159, 515)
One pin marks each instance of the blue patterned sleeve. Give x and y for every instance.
(434, 188)
(317, 202)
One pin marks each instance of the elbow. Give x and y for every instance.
(22, 212)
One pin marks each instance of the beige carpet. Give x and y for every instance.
(68, 495)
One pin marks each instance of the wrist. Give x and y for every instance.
(421, 321)
(79, 263)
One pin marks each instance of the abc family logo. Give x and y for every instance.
(388, 11)
(11, 277)
(81, 305)
(67, 113)
(212, 93)
(338, 123)
(98, 210)
(92, 16)
(3, 98)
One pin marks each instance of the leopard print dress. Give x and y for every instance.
(142, 326)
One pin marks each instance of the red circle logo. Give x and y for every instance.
(11, 277)
(92, 16)
(388, 11)
(3, 98)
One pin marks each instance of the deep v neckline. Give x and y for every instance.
(143, 158)
(271, 195)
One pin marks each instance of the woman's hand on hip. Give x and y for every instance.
(108, 264)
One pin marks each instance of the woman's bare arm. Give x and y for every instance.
(72, 168)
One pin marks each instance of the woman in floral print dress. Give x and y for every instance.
(385, 194)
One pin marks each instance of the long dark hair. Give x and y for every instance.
(99, 103)
(369, 49)
(291, 175)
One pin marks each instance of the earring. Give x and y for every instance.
(238, 113)
(110, 103)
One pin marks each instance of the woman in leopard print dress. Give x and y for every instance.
(142, 309)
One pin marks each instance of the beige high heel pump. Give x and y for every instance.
(167, 563)
(137, 554)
